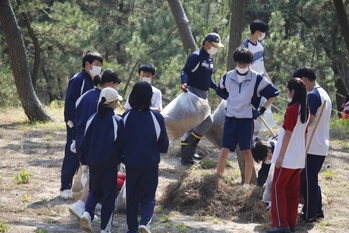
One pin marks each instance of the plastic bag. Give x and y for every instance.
(215, 133)
(184, 113)
(120, 201)
(85, 175)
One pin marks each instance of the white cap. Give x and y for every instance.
(110, 94)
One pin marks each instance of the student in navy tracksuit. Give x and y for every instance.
(78, 85)
(145, 139)
(86, 105)
(196, 76)
(102, 146)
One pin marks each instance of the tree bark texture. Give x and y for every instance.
(36, 44)
(19, 64)
(182, 25)
(236, 29)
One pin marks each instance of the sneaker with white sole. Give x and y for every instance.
(76, 210)
(66, 194)
(104, 231)
(85, 222)
(144, 229)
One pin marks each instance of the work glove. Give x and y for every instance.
(257, 113)
(73, 147)
(70, 124)
(184, 87)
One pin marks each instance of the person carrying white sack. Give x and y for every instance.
(196, 76)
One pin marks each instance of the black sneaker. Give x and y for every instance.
(308, 221)
(320, 215)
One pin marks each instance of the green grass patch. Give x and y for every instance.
(22, 178)
(3, 226)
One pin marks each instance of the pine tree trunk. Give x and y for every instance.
(19, 64)
(236, 28)
(182, 25)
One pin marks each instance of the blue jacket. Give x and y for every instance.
(102, 145)
(78, 85)
(86, 105)
(145, 138)
(198, 70)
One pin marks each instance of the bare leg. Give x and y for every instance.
(85, 191)
(248, 166)
(222, 160)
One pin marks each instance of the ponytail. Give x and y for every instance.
(97, 80)
(101, 109)
(300, 95)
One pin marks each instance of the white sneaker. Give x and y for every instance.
(85, 222)
(66, 194)
(76, 210)
(144, 229)
(104, 231)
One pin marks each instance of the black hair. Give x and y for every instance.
(146, 67)
(90, 56)
(347, 98)
(101, 107)
(140, 96)
(260, 150)
(305, 71)
(107, 76)
(299, 95)
(258, 25)
(243, 55)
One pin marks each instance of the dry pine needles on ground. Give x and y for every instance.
(209, 195)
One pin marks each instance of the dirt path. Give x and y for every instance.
(37, 207)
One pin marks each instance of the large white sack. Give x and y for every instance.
(268, 186)
(120, 201)
(184, 113)
(215, 133)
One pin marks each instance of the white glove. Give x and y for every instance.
(73, 147)
(70, 124)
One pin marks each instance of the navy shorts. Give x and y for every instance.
(237, 131)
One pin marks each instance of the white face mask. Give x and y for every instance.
(212, 51)
(289, 99)
(242, 70)
(146, 79)
(95, 70)
(262, 36)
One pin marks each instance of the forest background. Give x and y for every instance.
(130, 32)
